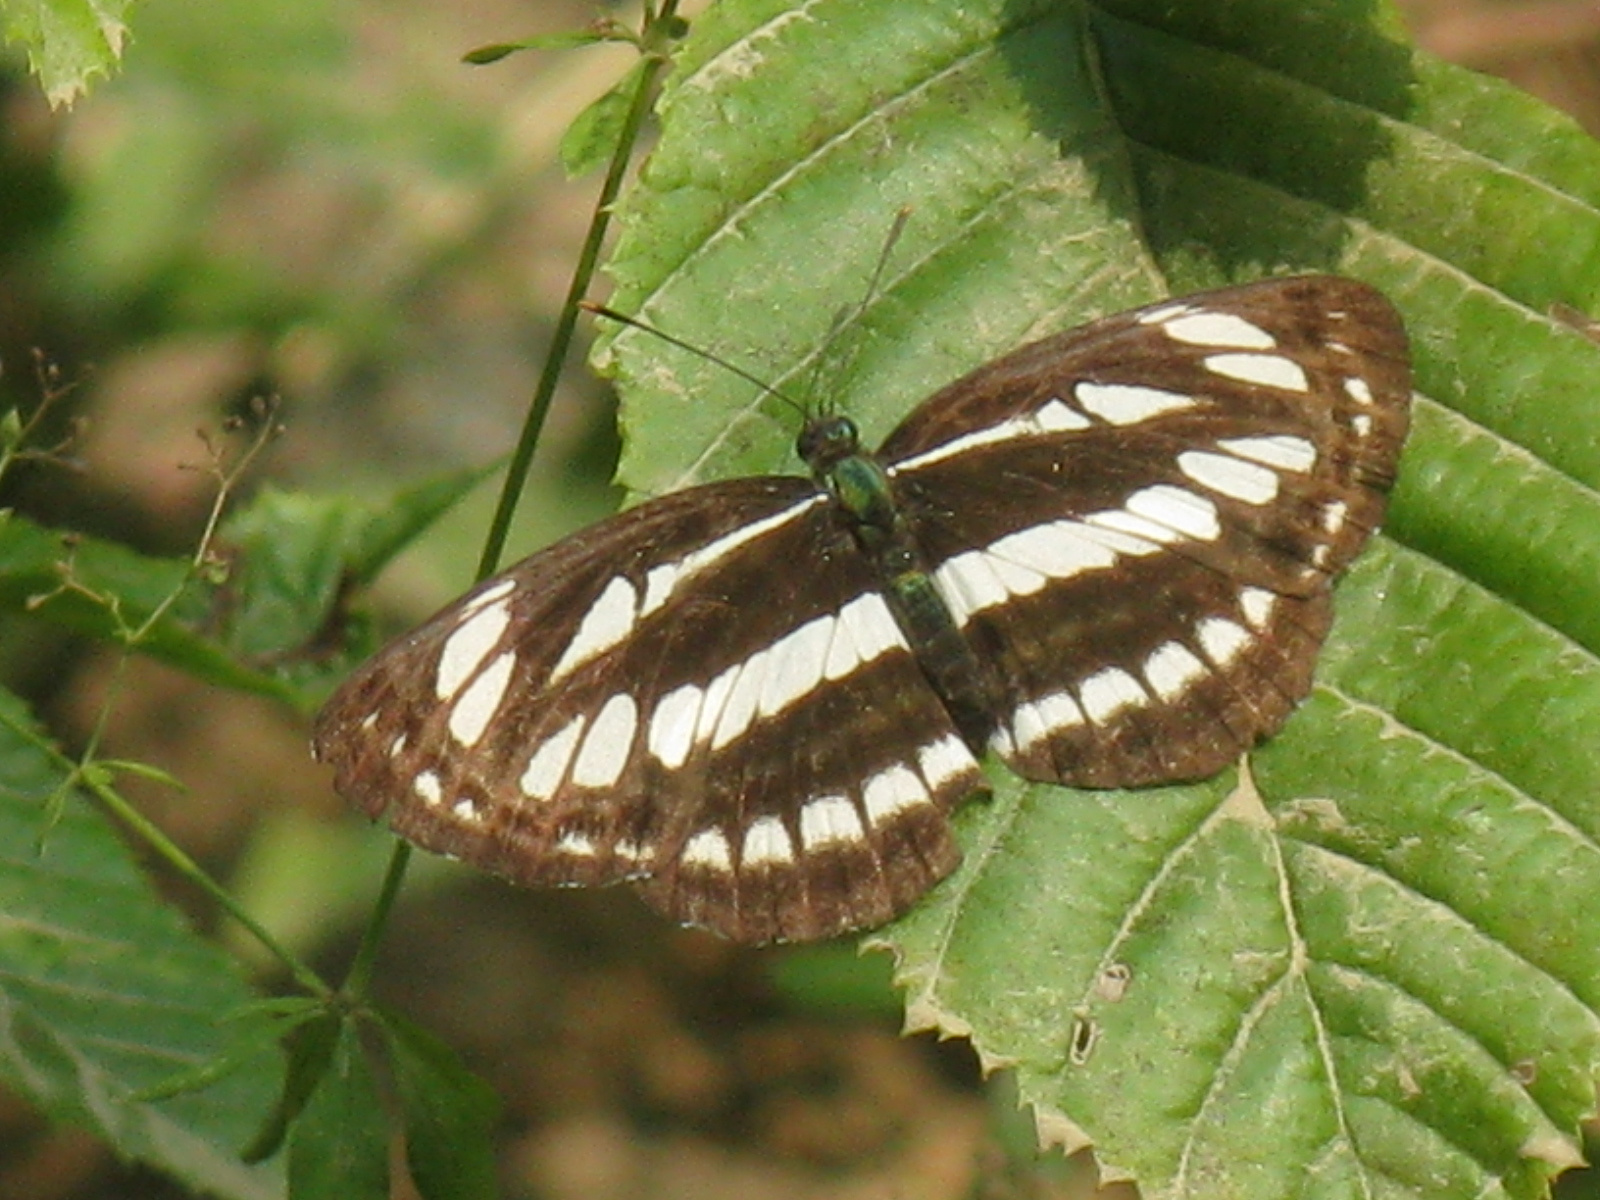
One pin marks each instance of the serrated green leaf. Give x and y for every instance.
(339, 1144)
(103, 992)
(1330, 978)
(68, 42)
(450, 1115)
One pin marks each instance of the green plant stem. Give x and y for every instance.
(582, 276)
(355, 984)
(656, 35)
(151, 835)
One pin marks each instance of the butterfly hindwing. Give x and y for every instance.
(827, 822)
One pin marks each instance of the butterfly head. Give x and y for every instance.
(827, 441)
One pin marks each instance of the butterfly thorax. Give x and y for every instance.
(831, 447)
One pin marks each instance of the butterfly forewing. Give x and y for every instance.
(1132, 528)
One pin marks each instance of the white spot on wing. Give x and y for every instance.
(1020, 563)
(708, 849)
(1171, 669)
(892, 792)
(944, 760)
(672, 725)
(659, 583)
(1135, 525)
(1106, 693)
(773, 679)
(1218, 329)
(766, 843)
(794, 665)
(426, 786)
(466, 810)
(1230, 476)
(871, 628)
(1001, 431)
(1176, 510)
(1056, 417)
(1128, 403)
(1037, 721)
(968, 584)
(1257, 605)
(739, 712)
(1053, 416)
(1271, 370)
(1222, 640)
(1058, 549)
(843, 655)
(476, 706)
(606, 745)
(1358, 390)
(1115, 540)
(715, 701)
(608, 621)
(467, 647)
(1011, 562)
(548, 765)
(1165, 313)
(1277, 450)
(829, 819)
(579, 845)
(663, 580)
(1333, 515)
(495, 590)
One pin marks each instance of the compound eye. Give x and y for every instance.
(825, 441)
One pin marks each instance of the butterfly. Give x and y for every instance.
(1105, 558)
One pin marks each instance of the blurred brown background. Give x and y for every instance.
(314, 199)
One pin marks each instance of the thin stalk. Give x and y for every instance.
(567, 322)
(355, 984)
(174, 856)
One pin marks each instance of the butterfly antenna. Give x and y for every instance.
(852, 313)
(600, 310)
